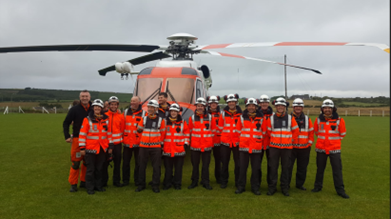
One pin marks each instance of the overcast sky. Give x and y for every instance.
(347, 71)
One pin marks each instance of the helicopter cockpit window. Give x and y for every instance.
(146, 87)
(182, 89)
(200, 89)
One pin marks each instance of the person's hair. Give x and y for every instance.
(139, 99)
(75, 102)
(164, 94)
(84, 91)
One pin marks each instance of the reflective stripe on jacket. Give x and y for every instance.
(228, 127)
(282, 131)
(330, 133)
(177, 135)
(201, 132)
(306, 132)
(153, 132)
(117, 125)
(95, 134)
(252, 133)
(131, 138)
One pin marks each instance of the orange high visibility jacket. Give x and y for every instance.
(131, 138)
(266, 116)
(282, 131)
(252, 133)
(228, 127)
(330, 133)
(306, 132)
(177, 135)
(217, 135)
(201, 132)
(117, 125)
(153, 132)
(95, 134)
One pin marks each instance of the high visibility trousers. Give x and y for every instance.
(196, 156)
(76, 159)
(94, 164)
(303, 157)
(156, 157)
(244, 158)
(225, 157)
(275, 154)
(267, 165)
(127, 157)
(169, 164)
(218, 163)
(117, 151)
(336, 165)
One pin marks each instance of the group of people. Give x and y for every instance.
(160, 133)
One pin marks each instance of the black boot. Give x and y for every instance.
(343, 195)
(193, 185)
(82, 184)
(73, 188)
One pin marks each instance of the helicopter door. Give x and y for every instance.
(199, 89)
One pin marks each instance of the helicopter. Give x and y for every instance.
(180, 78)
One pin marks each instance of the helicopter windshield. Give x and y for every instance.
(147, 86)
(181, 89)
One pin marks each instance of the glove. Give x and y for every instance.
(139, 130)
(111, 145)
(162, 145)
(185, 145)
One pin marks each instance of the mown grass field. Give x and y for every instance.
(35, 166)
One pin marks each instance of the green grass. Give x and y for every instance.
(35, 166)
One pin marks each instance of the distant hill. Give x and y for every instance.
(47, 95)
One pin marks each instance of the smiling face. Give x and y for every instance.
(85, 98)
(162, 99)
(200, 108)
(280, 108)
(232, 105)
(173, 113)
(213, 106)
(251, 108)
(151, 110)
(264, 105)
(298, 110)
(327, 111)
(97, 110)
(113, 106)
(134, 103)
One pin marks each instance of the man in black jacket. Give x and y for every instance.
(76, 116)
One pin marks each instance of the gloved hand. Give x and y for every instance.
(185, 145)
(162, 146)
(139, 130)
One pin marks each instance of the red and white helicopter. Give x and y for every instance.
(180, 77)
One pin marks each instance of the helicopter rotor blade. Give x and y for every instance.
(255, 59)
(383, 47)
(138, 61)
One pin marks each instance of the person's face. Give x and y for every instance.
(251, 108)
(232, 105)
(113, 106)
(298, 110)
(213, 105)
(327, 110)
(173, 113)
(151, 110)
(85, 97)
(162, 99)
(134, 103)
(264, 105)
(97, 110)
(106, 105)
(200, 108)
(280, 108)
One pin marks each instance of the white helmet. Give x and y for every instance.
(264, 99)
(175, 107)
(97, 102)
(153, 103)
(113, 99)
(213, 99)
(328, 103)
(280, 101)
(252, 101)
(201, 100)
(231, 97)
(298, 102)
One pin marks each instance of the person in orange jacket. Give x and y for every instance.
(117, 124)
(94, 141)
(164, 106)
(201, 126)
(177, 138)
(228, 121)
(131, 140)
(152, 129)
(330, 129)
(253, 129)
(214, 110)
(301, 145)
(282, 129)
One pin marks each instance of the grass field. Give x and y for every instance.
(35, 166)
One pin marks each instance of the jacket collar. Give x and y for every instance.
(258, 113)
(238, 110)
(217, 110)
(335, 116)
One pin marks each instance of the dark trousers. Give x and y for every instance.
(94, 163)
(267, 167)
(336, 165)
(274, 158)
(225, 157)
(196, 156)
(169, 164)
(117, 150)
(244, 158)
(218, 163)
(156, 157)
(303, 158)
(127, 156)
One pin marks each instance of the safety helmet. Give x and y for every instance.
(113, 99)
(231, 97)
(280, 101)
(264, 99)
(97, 102)
(251, 101)
(328, 103)
(298, 102)
(213, 99)
(175, 107)
(201, 100)
(153, 103)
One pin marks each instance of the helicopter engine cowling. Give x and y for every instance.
(207, 76)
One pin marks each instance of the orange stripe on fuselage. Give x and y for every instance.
(309, 44)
